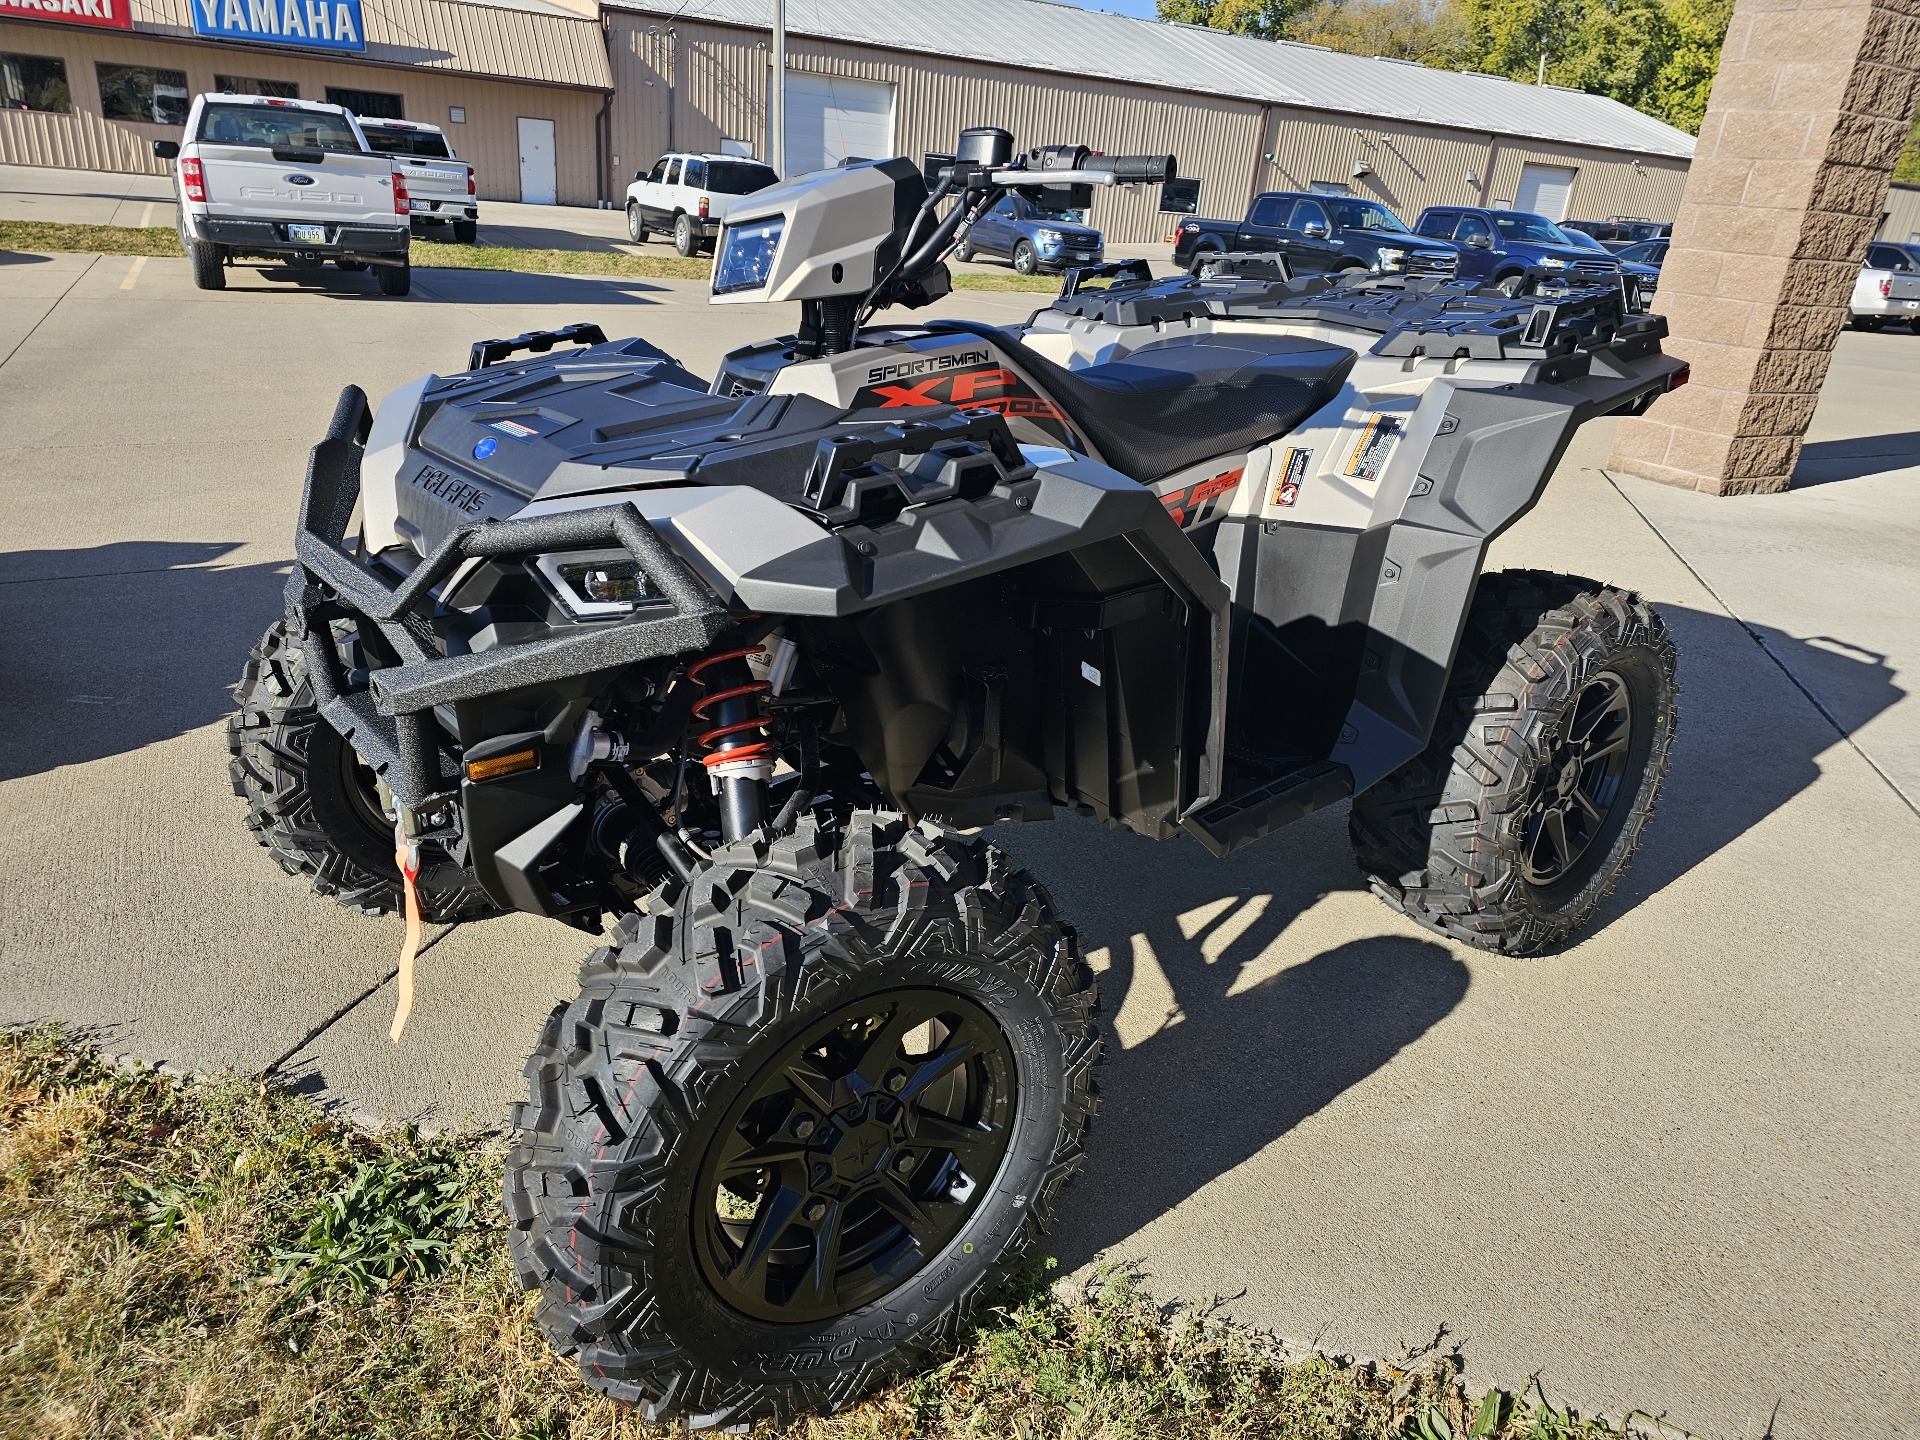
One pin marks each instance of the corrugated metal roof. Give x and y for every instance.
(1039, 35)
(510, 39)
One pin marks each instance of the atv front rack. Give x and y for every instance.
(389, 723)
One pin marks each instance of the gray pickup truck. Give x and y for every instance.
(286, 181)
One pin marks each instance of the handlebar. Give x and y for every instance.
(1132, 169)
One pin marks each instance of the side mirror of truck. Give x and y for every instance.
(1480, 242)
(167, 149)
(1314, 232)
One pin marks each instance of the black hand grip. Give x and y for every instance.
(1130, 169)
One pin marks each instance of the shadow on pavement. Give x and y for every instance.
(15, 257)
(1824, 461)
(465, 287)
(107, 650)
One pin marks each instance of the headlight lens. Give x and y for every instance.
(1048, 237)
(1391, 259)
(746, 255)
(598, 584)
(1549, 263)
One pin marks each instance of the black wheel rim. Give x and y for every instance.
(1581, 784)
(362, 789)
(854, 1156)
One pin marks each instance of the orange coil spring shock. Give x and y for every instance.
(727, 750)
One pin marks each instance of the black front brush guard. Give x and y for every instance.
(389, 724)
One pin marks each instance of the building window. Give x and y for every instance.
(1180, 196)
(143, 93)
(248, 85)
(34, 82)
(457, 115)
(374, 104)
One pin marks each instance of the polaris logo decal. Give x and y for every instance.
(955, 360)
(447, 489)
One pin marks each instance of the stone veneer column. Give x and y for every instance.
(1808, 112)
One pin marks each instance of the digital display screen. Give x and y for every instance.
(746, 255)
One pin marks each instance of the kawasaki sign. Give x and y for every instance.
(310, 24)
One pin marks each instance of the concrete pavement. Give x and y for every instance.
(1672, 1167)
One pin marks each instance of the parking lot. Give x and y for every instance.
(1671, 1168)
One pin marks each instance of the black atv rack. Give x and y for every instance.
(389, 723)
(492, 352)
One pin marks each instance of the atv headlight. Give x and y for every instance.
(597, 584)
(1391, 259)
(746, 255)
(1547, 262)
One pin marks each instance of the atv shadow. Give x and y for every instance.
(106, 650)
(1225, 1031)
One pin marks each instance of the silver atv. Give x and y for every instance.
(742, 665)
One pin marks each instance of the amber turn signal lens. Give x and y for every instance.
(495, 766)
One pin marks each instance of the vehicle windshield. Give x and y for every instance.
(383, 140)
(1057, 216)
(1645, 253)
(266, 126)
(730, 177)
(1363, 215)
(1518, 225)
(1580, 240)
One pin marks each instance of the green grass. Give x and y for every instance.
(45, 238)
(219, 1259)
(42, 237)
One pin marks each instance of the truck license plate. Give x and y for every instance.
(312, 233)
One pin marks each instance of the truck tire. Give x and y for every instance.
(312, 804)
(685, 242)
(1511, 286)
(873, 1050)
(1508, 830)
(963, 252)
(396, 280)
(466, 232)
(209, 265)
(635, 230)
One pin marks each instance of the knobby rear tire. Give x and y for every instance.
(681, 1018)
(1446, 839)
(293, 770)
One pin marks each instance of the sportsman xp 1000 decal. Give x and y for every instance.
(967, 380)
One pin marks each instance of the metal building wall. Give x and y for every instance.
(721, 93)
(1607, 184)
(721, 89)
(1900, 216)
(490, 139)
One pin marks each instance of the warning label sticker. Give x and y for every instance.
(1374, 447)
(1289, 474)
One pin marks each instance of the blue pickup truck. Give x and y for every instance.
(1033, 237)
(1513, 249)
(1317, 234)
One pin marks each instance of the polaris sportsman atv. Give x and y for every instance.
(742, 664)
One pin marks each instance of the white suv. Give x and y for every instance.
(688, 196)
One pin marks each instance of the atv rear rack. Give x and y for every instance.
(389, 722)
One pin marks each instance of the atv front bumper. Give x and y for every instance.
(390, 721)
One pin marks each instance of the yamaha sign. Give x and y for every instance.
(308, 24)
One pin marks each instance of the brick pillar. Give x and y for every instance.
(1807, 115)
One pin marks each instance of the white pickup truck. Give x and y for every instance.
(291, 181)
(440, 185)
(1888, 288)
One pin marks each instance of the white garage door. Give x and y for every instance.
(831, 118)
(1545, 190)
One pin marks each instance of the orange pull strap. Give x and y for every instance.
(408, 859)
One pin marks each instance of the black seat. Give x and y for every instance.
(1161, 410)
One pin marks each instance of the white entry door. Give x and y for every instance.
(1545, 190)
(539, 176)
(831, 118)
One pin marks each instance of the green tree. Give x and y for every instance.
(1907, 167)
(1268, 19)
(1427, 31)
